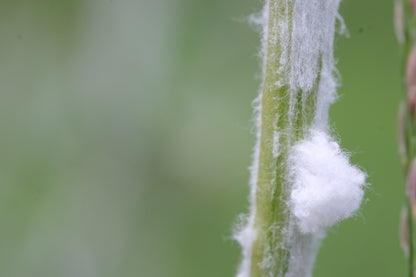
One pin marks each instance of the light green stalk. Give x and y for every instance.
(272, 215)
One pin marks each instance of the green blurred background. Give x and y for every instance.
(126, 135)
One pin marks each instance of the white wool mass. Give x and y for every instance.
(326, 187)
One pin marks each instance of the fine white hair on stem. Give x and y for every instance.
(319, 187)
(311, 55)
(245, 233)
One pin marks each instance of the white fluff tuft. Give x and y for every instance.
(326, 187)
(245, 235)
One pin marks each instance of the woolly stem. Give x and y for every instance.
(272, 215)
(301, 182)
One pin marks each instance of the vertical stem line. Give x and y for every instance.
(408, 18)
(272, 215)
(274, 105)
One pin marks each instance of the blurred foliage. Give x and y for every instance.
(126, 137)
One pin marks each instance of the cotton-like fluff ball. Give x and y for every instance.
(326, 187)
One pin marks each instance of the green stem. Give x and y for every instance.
(271, 218)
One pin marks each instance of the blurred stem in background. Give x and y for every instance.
(405, 23)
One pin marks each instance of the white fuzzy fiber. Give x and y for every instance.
(326, 187)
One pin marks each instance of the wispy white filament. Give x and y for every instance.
(322, 186)
(245, 233)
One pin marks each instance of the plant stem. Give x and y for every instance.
(272, 215)
(406, 32)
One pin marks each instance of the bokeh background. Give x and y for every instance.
(126, 135)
